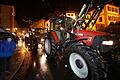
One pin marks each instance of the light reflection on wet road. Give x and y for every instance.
(42, 69)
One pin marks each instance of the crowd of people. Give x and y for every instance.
(8, 46)
(31, 41)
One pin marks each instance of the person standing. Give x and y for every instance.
(7, 49)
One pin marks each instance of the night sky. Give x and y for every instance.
(37, 9)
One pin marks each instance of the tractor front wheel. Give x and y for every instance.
(83, 64)
(50, 47)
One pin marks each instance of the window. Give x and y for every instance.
(68, 14)
(71, 14)
(113, 10)
(109, 8)
(116, 10)
(112, 18)
(109, 18)
(100, 19)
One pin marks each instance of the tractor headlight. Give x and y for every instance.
(107, 43)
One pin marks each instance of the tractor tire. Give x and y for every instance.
(83, 64)
(50, 46)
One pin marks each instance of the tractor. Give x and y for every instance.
(86, 53)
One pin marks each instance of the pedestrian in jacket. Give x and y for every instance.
(7, 49)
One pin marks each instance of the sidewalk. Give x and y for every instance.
(15, 63)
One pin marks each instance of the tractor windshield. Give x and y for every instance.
(65, 23)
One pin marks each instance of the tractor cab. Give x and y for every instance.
(61, 27)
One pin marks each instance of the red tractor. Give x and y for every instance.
(85, 53)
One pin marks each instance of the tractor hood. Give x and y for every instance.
(89, 35)
(87, 32)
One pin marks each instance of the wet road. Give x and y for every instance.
(42, 68)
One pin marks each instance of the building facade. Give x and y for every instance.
(39, 24)
(109, 14)
(7, 14)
